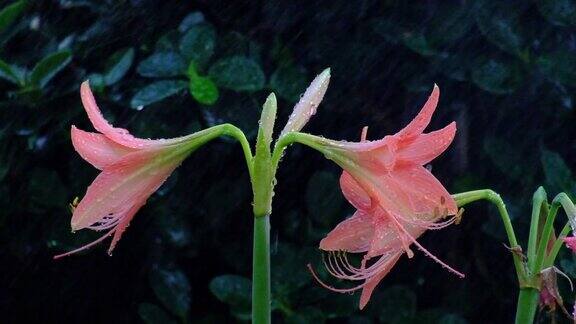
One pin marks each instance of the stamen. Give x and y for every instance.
(87, 246)
(332, 288)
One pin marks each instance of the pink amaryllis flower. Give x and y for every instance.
(396, 197)
(132, 170)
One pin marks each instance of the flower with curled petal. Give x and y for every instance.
(396, 197)
(132, 170)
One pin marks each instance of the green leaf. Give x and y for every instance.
(233, 290)
(452, 319)
(289, 81)
(172, 289)
(559, 177)
(559, 66)
(157, 91)
(418, 43)
(501, 27)
(191, 20)
(497, 77)
(323, 197)
(238, 73)
(9, 13)
(204, 90)
(558, 12)
(152, 314)
(198, 44)
(160, 65)
(118, 66)
(8, 73)
(48, 67)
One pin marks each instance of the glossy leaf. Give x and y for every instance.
(119, 64)
(161, 65)
(172, 288)
(157, 91)
(48, 67)
(10, 13)
(238, 73)
(198, 44)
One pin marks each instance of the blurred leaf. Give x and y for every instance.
(509, 159)
(48, 67)
(559, 177)
(452, 319)
(198, 44)
(46, 189)
(398, 306)
(160, 65)
(500, 26)
(450, 23)
(172, 289)
(204, 90)
(418, 43)
(323, 197)
(152, 314)
(238, 73)
(305, 316)
(289, 81)
(559, 66)
(190, 20)
(235, 291)
(7, 73)
(9, 13)
(558, 12)
(157, 91)
(497, 77)
(118, 65)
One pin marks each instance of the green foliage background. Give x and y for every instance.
(507, 72)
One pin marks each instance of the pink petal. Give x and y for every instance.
(97, 149)
(118, 135)
(418, 124)
(125, 184)
(306, 107)
(354, 192)
(426, 147)
(352, 235)
(571, 243)
(374, 281)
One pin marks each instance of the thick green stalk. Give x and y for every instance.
(263, 174)
(261, 271)
(526, 308)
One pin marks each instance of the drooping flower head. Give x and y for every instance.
(396, 197)
(132, 170)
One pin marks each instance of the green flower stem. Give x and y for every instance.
(235, 132)
(527, 303)
(487, 194)
(539, 201)
(563, 200)
(261, 271)
(549, 261)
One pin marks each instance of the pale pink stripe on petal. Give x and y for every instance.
(124, 184)
(118, 135)
(426, 147)
(421, 121)
(97, 149)
(354, 192)
(351, 235)
(374, 281)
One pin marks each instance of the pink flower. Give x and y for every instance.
(132, 170)
(570, 242)
(396, 197)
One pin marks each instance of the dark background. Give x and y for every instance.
(507, 74)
